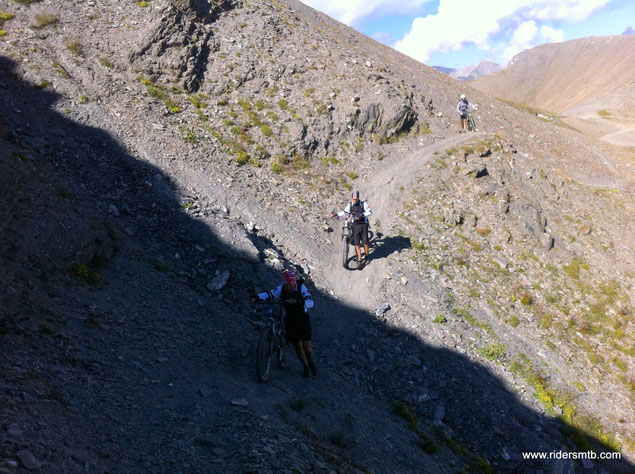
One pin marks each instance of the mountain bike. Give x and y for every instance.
(471, 126)
(347, 237)
(271, 340)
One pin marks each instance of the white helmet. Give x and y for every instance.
(463, 96)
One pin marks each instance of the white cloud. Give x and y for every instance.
(459, 23)
(350, 11)
(551, 35)
(525, 34)
(570, 10)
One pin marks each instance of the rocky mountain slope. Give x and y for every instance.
(588, 80)
(163, 160)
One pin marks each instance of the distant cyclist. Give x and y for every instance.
(462, 107)
(296, 300)
(359, 212)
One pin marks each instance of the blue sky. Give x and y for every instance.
(455, 33)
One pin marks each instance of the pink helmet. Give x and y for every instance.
(289, 277)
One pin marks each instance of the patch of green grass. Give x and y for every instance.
(300, 162)
(573, 269)
(309, 91)
(417, 245)
(465, 314)
(21, 156)
(283, 104)
(4, 16)
(105, 62)
(143, 4)
(513, 321)
(85, 272)
(273, 116)
(45, 19)
(604, 113)
(244, 104)
(493, 352)
(241, 158)
(266, 130)
(620, 364)
(160, 93)
(400, 409)
(75, 48)
(479, 463)
(440, 319)
(43, 84)
(196, 101)
(427, 444)
(451, 151)
(262, 152)
(546, 320)
(526, 299)
(352, 175)
(26, 2)
(483, 232)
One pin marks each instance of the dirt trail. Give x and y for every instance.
(382, 192)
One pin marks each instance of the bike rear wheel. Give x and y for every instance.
(470, 124)
(264, 351)
(344, 250)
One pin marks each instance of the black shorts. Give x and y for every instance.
(297, 328)
(360, 232)
(463, 116)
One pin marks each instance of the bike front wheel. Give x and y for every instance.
(344, 250)
(264, 351)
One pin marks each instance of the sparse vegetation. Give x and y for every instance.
(440, 319)
(4, 16)
(400, 409)
(45, 19)
(85, 272)
(494, 352)
(105, 62)
(75, 47)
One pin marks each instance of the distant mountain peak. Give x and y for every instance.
(468, 73)
(629, 31)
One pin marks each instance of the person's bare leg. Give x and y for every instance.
(366, 250)
(299, 351)
(308, 350)
(359, 253)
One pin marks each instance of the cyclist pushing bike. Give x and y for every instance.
(462, 107)
(296, 300)
(359, 212)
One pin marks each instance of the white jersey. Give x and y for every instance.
(363, 204)
(277, 292)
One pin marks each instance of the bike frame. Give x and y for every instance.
(271, 340)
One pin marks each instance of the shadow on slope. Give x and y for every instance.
(116, 356)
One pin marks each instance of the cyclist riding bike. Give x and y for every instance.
(359, 212)
(296, 300)
(462, 107)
